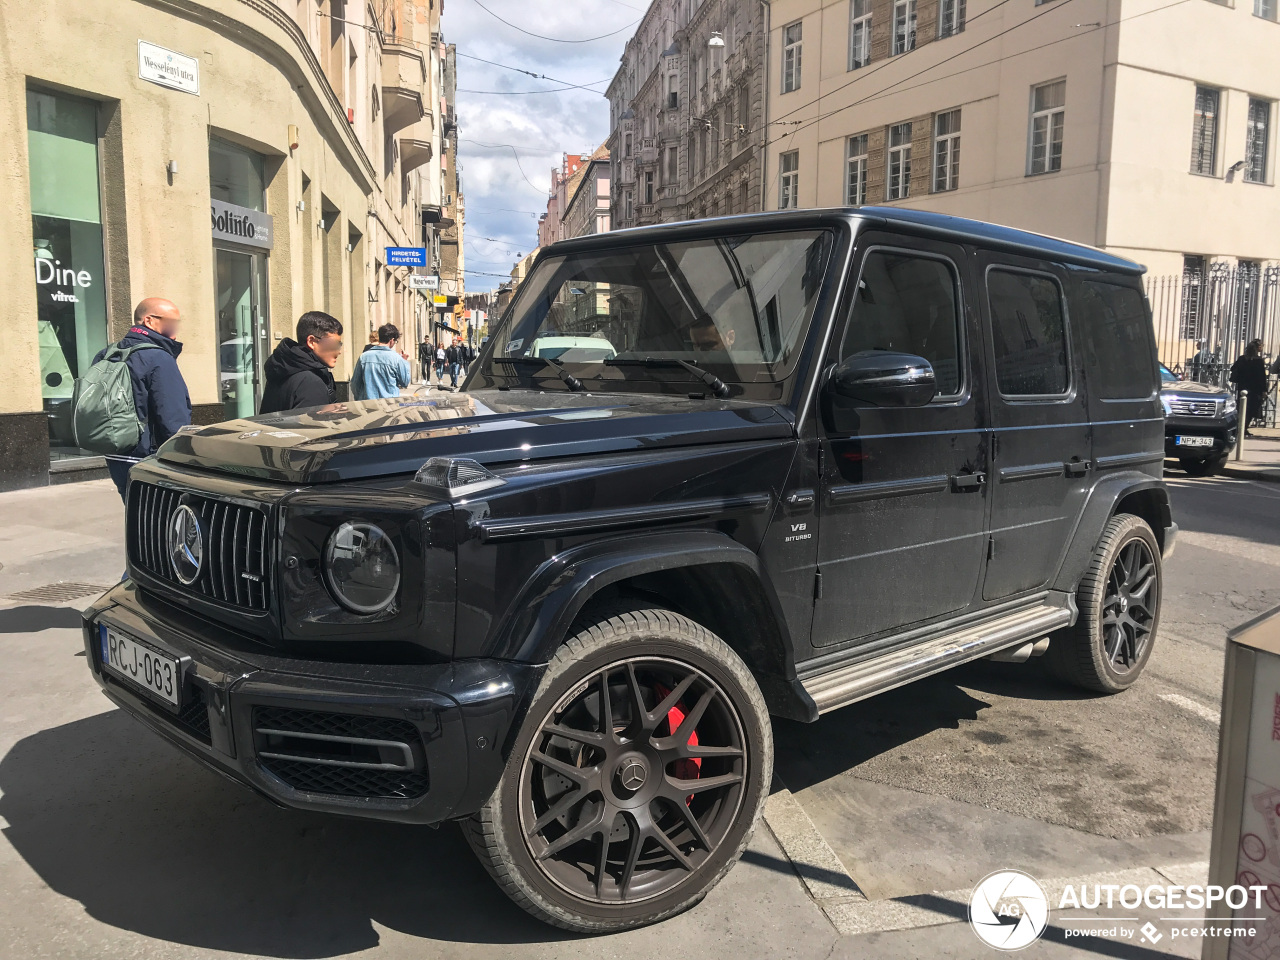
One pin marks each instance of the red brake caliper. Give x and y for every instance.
(686, 768)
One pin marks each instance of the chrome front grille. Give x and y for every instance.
(234, 567)
(1194, 408)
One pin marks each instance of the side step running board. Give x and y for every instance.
(865, 678)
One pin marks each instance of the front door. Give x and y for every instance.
(242, 329)
(1040, 463)
(903, 504)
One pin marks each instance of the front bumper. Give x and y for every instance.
(443, 729)
(1221, 431)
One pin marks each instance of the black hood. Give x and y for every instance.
(290, 357)
(374, 438)
(1190, 388)
(137, 335)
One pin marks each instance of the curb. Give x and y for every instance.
(1246, 471)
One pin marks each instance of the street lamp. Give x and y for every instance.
(716, 39)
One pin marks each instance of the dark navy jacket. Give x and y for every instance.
(159, 392)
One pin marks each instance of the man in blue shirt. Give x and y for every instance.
(381, 370)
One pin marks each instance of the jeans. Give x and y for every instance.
(119, 471)
(454, 370)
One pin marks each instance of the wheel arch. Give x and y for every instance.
(705, 576)
(1132, 492)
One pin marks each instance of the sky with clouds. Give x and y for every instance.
(505, 188)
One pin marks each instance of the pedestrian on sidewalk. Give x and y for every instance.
(455, 364)
(299, 372)
(382, 369)
(425, 353)
(1249, 372)
(160, 396)
(440, 363)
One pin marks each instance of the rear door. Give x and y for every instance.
(903, 494)
(1041, 441)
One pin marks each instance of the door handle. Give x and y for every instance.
(800, 499)
(1077, 468)
(968, 481)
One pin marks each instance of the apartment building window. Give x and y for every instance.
(950, 17)
(1193, 291)
(904, 26)
(648, 186)
(1204, 131)
(1257, 135)
(859, 33)
(791, 37)
(673, 92)
(626, 146)
(899, 161)
(672, 161)
(1048, 115)
(788, 180)
(628, 206)
(946, 151)
(855, 190)
(1265, 9)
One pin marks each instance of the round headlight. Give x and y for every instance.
(362, 568)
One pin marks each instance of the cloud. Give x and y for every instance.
(503, 203)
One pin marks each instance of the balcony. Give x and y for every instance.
(648, 150)
(415, 143)
(404, 83)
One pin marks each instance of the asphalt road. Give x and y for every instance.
(116, 846)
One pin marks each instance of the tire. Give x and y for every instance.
(1202, 468)
(1111, 641)
(616, 825)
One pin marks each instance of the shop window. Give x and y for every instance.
(66, 224)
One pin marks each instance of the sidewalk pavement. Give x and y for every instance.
(1260, 459)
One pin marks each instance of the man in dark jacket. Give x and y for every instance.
(299, 371)
(159, 392)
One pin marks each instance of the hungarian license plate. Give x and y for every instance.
(153, 671)
(1195, 441)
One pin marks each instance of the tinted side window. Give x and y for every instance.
(908, 304)
(1118, 336)
(1028, 334)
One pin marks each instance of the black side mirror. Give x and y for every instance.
(885, 378)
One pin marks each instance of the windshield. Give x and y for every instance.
(737, 305)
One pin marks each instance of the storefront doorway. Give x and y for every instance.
(243, 329)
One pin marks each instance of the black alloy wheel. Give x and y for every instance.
(636, 780)
(1119, 603)
(1129, 605)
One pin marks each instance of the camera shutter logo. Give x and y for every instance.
(186, 545)
(1008, 910)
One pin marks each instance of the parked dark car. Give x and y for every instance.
(827, 453)
(1200, 423)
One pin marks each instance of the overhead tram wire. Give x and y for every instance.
(538, 36)
(536, 76)
(508, 146)
(889, 90)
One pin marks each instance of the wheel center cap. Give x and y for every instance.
(632, 774)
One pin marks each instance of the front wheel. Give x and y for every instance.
(1119, 601)
(637, 779)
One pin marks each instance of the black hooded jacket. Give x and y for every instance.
(296, 377)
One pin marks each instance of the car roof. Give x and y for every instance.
(940, 225)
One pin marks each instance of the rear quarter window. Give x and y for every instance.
(1117, 335)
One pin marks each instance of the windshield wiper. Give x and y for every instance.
(714, 383)
(557, 367)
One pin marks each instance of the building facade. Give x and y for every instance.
(248, 159)
(563, 182)
(686, 112)
(587, 210)
(1144, 129)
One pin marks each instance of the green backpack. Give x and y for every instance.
(104, 417)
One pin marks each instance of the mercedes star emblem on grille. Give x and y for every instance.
(186, 544)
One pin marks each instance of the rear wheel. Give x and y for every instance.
(637, 780)
(1119, 601)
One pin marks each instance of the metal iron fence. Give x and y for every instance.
(1204, 319)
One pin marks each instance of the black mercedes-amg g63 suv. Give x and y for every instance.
(701, 474)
